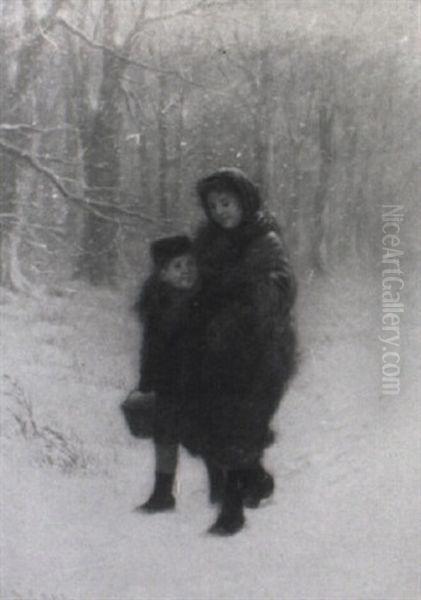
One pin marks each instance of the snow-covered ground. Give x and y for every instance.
(344, 522)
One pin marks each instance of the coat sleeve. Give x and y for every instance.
(274, 286)
(149, 356)
(148, 352)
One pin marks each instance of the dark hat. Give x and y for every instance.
(167, 248)
(235, 181)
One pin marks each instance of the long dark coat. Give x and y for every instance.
(247, 349)
(164, 312)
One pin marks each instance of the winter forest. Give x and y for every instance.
(110, 111)
(108, 116)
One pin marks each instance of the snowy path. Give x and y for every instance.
(345, 520)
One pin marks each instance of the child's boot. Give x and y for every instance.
(166, 464)
(162, 498)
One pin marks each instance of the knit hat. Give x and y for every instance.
(233, 180)
(167, 248)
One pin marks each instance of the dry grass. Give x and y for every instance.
(49, 446)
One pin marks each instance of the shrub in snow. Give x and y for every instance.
(51, 447)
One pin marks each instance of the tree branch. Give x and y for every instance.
(123, 57)
(88, 204)
(143, 21)
(27, 127)
(41, 27)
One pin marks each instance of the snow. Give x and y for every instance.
(344, 523)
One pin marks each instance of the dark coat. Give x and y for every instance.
(248, 349)
(164, 312)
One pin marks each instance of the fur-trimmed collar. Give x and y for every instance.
(158, 296)
(262, 223)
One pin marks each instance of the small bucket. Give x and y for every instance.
(139, 414)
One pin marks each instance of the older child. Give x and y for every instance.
(164, 311)
(248, 353)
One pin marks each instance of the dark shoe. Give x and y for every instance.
(260, 486)
(228, 523)
(162, 497)
(158, 503)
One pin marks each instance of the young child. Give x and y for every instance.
(164, 311)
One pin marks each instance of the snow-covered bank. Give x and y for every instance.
(345, 520)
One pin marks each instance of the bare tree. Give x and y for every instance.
(16, 106)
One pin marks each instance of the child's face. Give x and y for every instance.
(180, 272)
(225, 209)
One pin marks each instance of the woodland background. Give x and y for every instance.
(111, 110)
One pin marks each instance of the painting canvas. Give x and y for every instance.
(111, 112)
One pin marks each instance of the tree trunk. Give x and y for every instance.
(263, 138)
(320, 197)
(7, 216)
(99, 135)
(178, 159)
(162, 138)
(97, 263)
(261, 128)
(162, 156)
(14, 95)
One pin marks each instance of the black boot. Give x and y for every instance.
(162, 498)
(231, 517)
(216, 478)
(259, 485)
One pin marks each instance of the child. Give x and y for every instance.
(164, 310)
